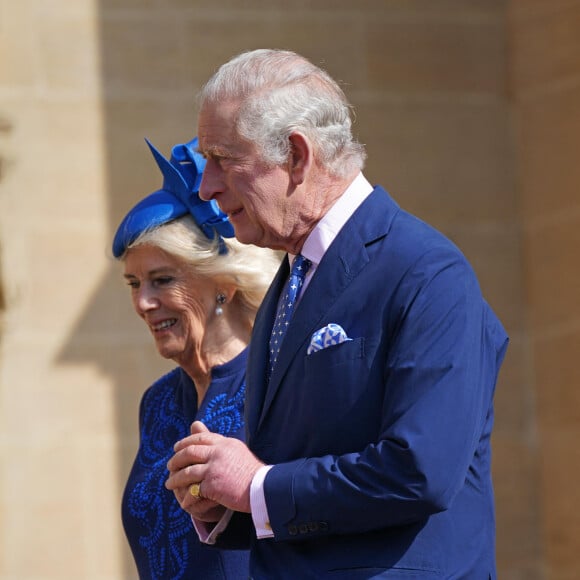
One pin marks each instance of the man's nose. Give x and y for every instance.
(210, 184)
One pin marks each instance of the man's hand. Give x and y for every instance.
(223, 466)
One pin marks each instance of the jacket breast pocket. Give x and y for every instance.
(336, 377)
(350, 350)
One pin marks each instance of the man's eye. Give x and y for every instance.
(217, 157)
(133, 284)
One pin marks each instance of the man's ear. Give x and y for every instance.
(301, 158)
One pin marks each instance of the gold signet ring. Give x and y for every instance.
(194, 489)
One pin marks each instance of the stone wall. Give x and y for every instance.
(545, 91)
(470, 114)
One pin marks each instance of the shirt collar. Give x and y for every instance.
(326, 230)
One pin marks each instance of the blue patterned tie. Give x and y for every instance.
(288, 298)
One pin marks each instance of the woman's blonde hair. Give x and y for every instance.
(248, 268)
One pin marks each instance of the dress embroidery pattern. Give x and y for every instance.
(166, 530)
(225, 416)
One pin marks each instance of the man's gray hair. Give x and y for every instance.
(280, 93)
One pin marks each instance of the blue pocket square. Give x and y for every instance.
(327, 336)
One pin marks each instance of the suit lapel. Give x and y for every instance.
(258, 356)
(344, 260)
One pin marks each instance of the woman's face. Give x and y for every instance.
(175, 304)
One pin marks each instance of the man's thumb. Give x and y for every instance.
(198, 427)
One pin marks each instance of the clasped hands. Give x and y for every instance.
(223, 467)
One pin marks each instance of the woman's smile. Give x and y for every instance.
(163, 325)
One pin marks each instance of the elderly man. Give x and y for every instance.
(373, 360)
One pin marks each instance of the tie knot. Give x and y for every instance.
(300, 266)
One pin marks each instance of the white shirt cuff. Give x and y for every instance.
(258, 504)
(207, 535)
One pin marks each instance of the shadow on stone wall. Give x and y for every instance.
(5, 128)
(137, 103)
(2, 297)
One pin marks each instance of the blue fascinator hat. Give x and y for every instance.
(178, 196)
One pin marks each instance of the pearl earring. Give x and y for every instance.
(220, 299)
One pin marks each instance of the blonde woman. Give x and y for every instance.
(197, 289)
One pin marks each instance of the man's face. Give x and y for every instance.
(256, 196)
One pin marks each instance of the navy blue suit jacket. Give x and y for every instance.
(381, 444)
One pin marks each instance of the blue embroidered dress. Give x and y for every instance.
(161, 535)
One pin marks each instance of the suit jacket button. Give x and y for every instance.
(323, 526)
(292, 530)
(313, 526)
(303, 528)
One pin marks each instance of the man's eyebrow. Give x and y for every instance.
(214, 150)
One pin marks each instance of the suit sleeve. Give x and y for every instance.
(439, 352)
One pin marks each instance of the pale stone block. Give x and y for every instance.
(105, 541)
(50, 482)
(56, 161)
(553, 280)
(557, 379)
(447, 161)
(54, 402)
(136, 8)
(546, 43)
(443, 55)
(132, 171)
(18, 55)
(64, 267)
(523, 8)
(560, 494)
(549, 137)
(327, 8)
(519, 538)
(68, 48)
(341, 54)
(143, 54)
